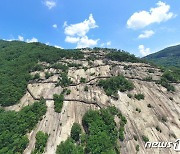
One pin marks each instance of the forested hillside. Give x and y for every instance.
(83, 101)
(18, 59)
(167, 57)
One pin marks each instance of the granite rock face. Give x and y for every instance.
(144, 117)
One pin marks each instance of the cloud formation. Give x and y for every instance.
(144, 51)
(50, 3)
(107, 44)
(154, 15)
(55, 26)
(20, 38)
(86, 42)
(32, 40)
(77, 33)
(57, 46)
(146, 34)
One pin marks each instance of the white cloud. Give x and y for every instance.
(20, 38)
(50, 3)
(55, 26)
(86, 42)
(9, 40)
(65, 24)
(57, 46)
(155, 15)
(71, 39)
(106, 44)
(144, 51)
(146, 34)
(32, 40)
(77, 33)
(82, 28)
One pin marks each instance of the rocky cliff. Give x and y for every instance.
(157, 116)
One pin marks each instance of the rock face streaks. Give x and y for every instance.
(78, 102)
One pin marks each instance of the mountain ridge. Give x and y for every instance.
(87, 100)
(169, 56)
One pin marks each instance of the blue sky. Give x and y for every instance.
(139, 27)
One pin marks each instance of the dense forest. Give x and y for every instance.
(167, 57)
(17, 59)
(114, 84)
(15, 125)
(123, 56)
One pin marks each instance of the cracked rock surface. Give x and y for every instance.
(78, 102)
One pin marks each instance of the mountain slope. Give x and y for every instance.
(118, 101)
(167, 57)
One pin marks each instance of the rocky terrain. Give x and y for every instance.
(157, 116)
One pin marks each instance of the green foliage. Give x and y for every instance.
(101, 130)
(85, 68)
(83, 80)
(170, 76)
(165, 83)
(166, 57)
(151, 70)
(121, 129)
(75, 132)
(130, 95)
(62, 67)
(58, 102)
(68, 92)
(83, 139)
(68, 147)
(148, 78)
(15, 125)
(92, 74)
(48, 75)
(137, 147)
(139, 96)
(86, 88)
(113, 110)
(74, 65)
(41, 141)
(37, 67)
(122, 56)
(100, 133)
(113, 84)
(91, 58)
(64, 80)
(36, 76)
(17, 59)
(145, 138)
(126, 67)
(121, 133)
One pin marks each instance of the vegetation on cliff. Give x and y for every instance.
(41, 141)
(101, 133)
(17, 59)
(15, 125)
(113, 84)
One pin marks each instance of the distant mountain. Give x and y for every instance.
(167, 57)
